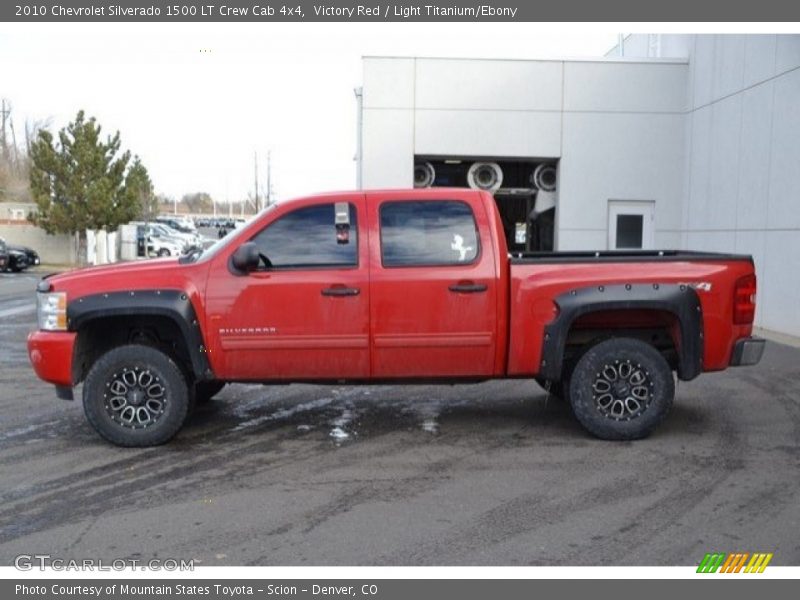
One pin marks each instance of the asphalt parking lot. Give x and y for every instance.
(489, 474)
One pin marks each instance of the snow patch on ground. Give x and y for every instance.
(341, 429)
(430, 425)
(284, 413)
(339, 435)
(426, 411)
(20, 431)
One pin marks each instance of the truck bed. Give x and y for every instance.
(538, 279)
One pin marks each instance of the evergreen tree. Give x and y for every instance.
(139, 187)
(79, 181)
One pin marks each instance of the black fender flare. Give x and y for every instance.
(679, 299)
(173, 304)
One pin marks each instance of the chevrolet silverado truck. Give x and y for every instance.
(390, 287)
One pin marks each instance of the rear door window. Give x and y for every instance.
(428, 233)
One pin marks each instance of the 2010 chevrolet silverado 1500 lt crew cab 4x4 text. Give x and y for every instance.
(390, 286)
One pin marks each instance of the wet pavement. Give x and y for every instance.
(493, 473)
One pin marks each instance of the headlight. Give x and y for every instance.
(51, 311)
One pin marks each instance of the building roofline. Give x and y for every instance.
(575, 59)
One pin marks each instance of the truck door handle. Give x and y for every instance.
(340, 290)
(468, 287)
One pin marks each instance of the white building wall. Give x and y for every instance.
(743, 145)
(715, 143)
(622, 140)
(629, 112)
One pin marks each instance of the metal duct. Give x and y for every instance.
(544, 177)
(487, 176)
(424, 174)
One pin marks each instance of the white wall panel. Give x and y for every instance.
(759, 58)
(702, 67)
(676, 45)
(747, 144)
(668, 240)
(583, 239)
(726, 122)
(784, 189)
(712, 241)
(388, 83)
(388, 148)
(755, 144)
(729, 58)
(781, 292)
(489, 84)
(620, 157)
(488, 133)
(688, 131)
(787, 53)
(625, 87)
(700, 172)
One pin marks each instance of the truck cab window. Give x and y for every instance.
(428, 233)
(307, 238)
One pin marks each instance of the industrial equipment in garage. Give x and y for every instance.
(525, 191)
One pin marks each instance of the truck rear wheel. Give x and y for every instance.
(621, 389)
(135, 396)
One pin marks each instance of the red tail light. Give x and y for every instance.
(744, 300)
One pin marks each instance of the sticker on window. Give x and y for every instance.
(458, 246)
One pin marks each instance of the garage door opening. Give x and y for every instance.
(525, 191)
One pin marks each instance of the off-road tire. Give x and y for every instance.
(137, 358)
(646, 384)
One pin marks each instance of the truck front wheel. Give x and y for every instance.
(621, 389)
(135, 395)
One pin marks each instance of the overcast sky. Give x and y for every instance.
(196, 118)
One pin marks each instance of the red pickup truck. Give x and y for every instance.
(390, 286)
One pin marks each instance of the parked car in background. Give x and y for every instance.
(162, 247)
(181, 224)
(155, 243)
(189, 240)
(3, 254)
(219, 222)
(21, 258)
